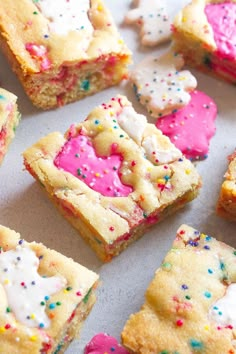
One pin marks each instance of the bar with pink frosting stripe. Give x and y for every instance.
(113, 176)
(205, 34)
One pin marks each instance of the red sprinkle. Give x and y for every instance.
(111, 228)
(7, 326)
(179, 323)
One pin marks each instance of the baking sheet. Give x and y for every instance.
(26, 209)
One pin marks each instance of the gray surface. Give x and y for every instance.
(24, 208)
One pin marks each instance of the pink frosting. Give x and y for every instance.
(104, 344)
(99, 173)
(191, 127)
(222, 18)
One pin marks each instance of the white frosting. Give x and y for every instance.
(132, 123)
(155, 152)
(161, 87)
(155, 18)
(66, 16)
(223, 311)
(25, 288)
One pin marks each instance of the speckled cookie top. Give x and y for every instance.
(7, 102)
(190, 305)
(39, 289)
(45, 34)
(115, 162)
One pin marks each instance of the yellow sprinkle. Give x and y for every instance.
(65, 291)
(206, 327)
(32, 316)
(100, 127)
(182, 78)
(161, 180)
(149, 169)
(33, 338)
(187, 172)
(120, 41)
(2, 329)
(100, 7)
(111, 113)
(6, 281)
(184, 19)
(97, 174)
(110, 130)
(203, 236)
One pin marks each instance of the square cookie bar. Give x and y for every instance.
(204, 32)
(113, 175)
(190, 304)
(62, 51)
(226, 206)
(45, 297)
(9, 119)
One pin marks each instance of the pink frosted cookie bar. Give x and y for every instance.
(160, 84)
(205, 33)
(154, 17)
(190, 305)
(45, 297)
(62, 51)
(113, 175)
(103, 343)
(226, 206)
(191, 127)
(9, 119)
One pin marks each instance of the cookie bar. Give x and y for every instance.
(160, 85)
(62, 51)
(113, 175)
(190, 304)
(154, 17)
(204, 32)
(226, 206)
(9, 119)
(45, 296)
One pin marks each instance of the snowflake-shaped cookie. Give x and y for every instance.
(160, 85)
(155, 18)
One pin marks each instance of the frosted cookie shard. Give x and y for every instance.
(112, 182)
(154, 17)
(103, 343)
(204, 32)
(187, 304)
(9, 119)
(191, 127)
(62, 51)
(45, 296)
(226, 206)
(160, 84)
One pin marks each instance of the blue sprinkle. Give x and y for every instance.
(52, 306)
(85, 85)
(41, 325)
(46, 297)
(206, 247)
(207, 294)
(210, 271)
(196, 344)
(208, 238)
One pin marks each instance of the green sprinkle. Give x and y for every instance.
(85, 299)
(42, 303)
(79, 172)
(8, 309)
(196, 344)
(166, 265)
(85, 85)
(69, 288)
(35, 13)
(145, 215)
(58, 303)
(121, 136)
(234, 253)
(187, 297)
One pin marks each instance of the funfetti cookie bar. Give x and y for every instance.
(191, 128)
(190, 305)
(113, 175)
(204, 32)
(160, 84)
(45, 297)
(62, 50)
(226, 205)
(154, 17)
(9, 119)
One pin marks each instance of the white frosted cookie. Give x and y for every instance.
(160, 84)
(154, 18)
